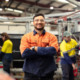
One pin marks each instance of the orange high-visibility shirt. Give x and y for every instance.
(43, 40)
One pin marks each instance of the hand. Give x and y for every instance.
(0, 47)
(79, 43)
(35, 48)
(73, 65)
(30, 48)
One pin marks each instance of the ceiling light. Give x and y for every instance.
(0, 9)
(64, 1)
(7, 0)
(9, 9)
(18, 11)
(6, 22)
(51, 8)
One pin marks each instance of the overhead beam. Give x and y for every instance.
(50, 11)
(38, 10)
(37, 1)
(18, 5)
(50, 2)
(7, 3)
(10, 3)
(74, 2)
(59, 10)
(18, 9)
(0, 3)
(9, 15)
(38, 4)
(33, 3)
(63, 5)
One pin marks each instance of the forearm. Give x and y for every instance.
(68, 59)
(45, 51)
(39, 51)
(77, 47)
(29, 54)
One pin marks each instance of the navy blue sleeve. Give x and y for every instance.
(46, 51)
(77, 47)
(67, 58)
(29, 54)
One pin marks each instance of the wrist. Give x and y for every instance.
(73, 64)
(33, 48)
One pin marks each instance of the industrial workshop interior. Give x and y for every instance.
(16, 19)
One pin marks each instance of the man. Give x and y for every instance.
(67, 48)
(6, 52)
(38, 48)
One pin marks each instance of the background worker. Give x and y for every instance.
(6, 52)
(68, 60)
(38, 48)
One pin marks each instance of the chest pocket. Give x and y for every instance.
(45, 43)
(33, 43)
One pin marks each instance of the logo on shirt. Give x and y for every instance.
(35, 40)
(72, 43)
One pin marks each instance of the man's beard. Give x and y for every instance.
(39, 28)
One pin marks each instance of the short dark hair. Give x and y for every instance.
(6, 35)
(38, 14)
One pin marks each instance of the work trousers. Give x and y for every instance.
(6, 66)
(67, 71)
(29, 76)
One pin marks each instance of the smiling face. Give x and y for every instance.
(39, 23)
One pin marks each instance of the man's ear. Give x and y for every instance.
(33, 22)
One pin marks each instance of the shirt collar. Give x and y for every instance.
(34, 32)
(67, 41)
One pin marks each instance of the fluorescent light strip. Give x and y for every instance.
(72, 4)
(6, 22)
(7, 0)
(18, 11)
(63, 1)
(9, 9)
